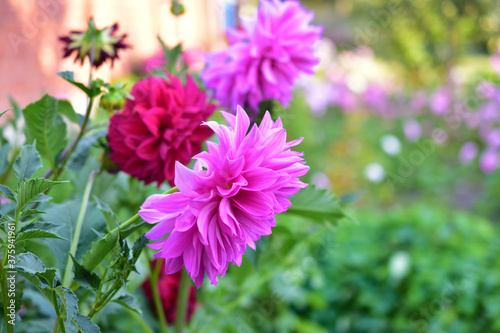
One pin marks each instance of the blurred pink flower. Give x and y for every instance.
(412, 129)
(418, 100)
(468, 152)
(375, 97)
(440, 100)
(155, 62)
(265, 58)
(194, 59)
(489, 160)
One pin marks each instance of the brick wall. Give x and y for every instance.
(31, 53)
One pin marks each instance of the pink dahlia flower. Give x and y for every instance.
(265, 58)
(229, 201)
(161, 125)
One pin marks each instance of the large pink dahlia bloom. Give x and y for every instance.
(229, 201)
(265, 58)
(161, 125)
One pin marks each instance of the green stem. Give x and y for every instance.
(155, 273)
(182, 298)
(144, 326)
(67, 154)
(137, 217)
(59, 319)
(78, 229)
(100, 303)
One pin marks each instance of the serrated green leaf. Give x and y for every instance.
(27, 162)
(4, 161)
(37, 234)
(32, 190)
(29, 212)
(7, 192)
(6, 219)
(82, 151)
(129, 302)
(69, 301)
(137, 248)
(45, 125)
(85, 277)
(65, 108)
(317, 204)
(99, 251)
(111, 220)
(66, 214)
(85, 324)
(31, 267)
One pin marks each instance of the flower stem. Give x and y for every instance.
(67, 153)
(78, 229)
(136, 217)
(59, 318)
(182, 298)
(155, 273)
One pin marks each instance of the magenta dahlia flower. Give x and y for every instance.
(264, 59)
(229, 201)
(161, 125)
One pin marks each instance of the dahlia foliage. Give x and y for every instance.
(229, 201)
(162, 124)
(265, 58)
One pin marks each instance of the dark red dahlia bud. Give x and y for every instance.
(168, 287)
(98, 45)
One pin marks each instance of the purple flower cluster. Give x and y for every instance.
(265, 58)
(229, 201)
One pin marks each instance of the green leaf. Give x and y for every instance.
(318, 204)
(171, 55)
(29, 212)
(7, 192)
(65, 108)
(69, 301)
(4, 161)
(45, 125)
(69, 76)
(27, 162)
(129, 302)
(82, 151)
(31, 190)
(85, 324)
(99, 251)
(137, 248)
(85, 277)
(3, 112)
(31, 267)
(5, 219)
(38, 229)
(15, 106)
(111, 220)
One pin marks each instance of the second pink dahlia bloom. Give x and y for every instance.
(265, 58)
(229, 201)
(161, 125)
